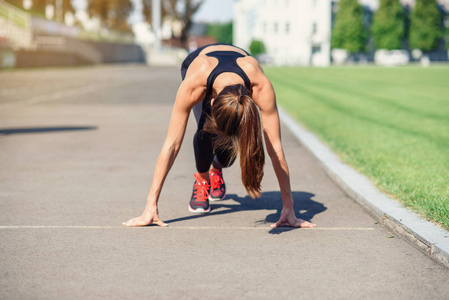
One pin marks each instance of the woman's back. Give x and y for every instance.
(206, 62)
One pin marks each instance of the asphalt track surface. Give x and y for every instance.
(77, 152)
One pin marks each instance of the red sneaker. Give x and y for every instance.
(217, 186)
(199, 203)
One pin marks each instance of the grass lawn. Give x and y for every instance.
(391, 124)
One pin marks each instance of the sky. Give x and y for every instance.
(211, 11)
(215, 11)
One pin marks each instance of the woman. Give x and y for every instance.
(226, 88)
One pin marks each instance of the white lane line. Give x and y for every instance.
(174, 227)
(69, 92)
(56, 95)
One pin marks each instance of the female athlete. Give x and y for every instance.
(226, 88)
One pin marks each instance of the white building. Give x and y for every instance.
(295, 32)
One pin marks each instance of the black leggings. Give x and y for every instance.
(205, 155)
(203, 142)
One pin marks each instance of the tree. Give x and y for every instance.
(39, 6)
(17, 3)
(349, 32)
(67, 6)
(221, 32)
(388, 27)
(148, 10)
(256, 47)
(425, 26)
(113, 14)
(178, 10)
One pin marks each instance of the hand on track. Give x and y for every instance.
(144, 220)
(288, 218)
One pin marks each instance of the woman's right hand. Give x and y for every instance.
(147, 218)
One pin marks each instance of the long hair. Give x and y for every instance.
(236, 122)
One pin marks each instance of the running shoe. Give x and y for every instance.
(199, 203)
(217, 186)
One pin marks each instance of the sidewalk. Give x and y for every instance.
(77, 159)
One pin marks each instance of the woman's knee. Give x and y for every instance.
(223, 159)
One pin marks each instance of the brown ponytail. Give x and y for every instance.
(236, 121)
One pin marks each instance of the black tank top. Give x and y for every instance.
(227, 62)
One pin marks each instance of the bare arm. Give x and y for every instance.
(264, 96)
(189, 93)
(173, 141)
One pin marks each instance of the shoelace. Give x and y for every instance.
(201, 192)
(216, 180)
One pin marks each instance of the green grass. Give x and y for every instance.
(391, 124)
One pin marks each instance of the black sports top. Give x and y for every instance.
(227, 62)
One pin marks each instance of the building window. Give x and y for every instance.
(264, 27)
(287, 28)
(314, 28)
(316, 49)
(314, 3)
(275, 27)
(287, 2)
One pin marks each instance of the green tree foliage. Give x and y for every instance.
(388, 25)
(349, 32)
(257, 47)
(221, 32)
(113, 14)
(425, 26)
(177, 10)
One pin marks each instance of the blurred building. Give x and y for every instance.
(295, 32)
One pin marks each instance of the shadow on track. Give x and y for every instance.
(305, 208)
(10, 131)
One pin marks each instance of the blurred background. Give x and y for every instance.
(278, 32)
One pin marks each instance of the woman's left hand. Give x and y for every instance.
(288, 218)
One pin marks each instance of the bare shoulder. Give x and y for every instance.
(193, 87)
(200, 68)
(198, 72)
(250, 65)
(262, 89)
(254, 71)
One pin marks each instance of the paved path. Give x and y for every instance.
(77, 152)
